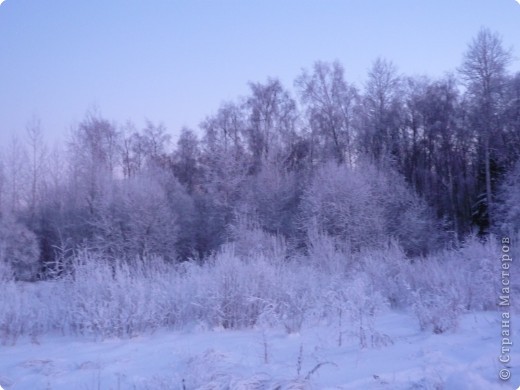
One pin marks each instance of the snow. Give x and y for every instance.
(466, 358)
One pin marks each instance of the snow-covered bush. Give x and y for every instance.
(250, 240)
(436, 311)
(27, 309)
(19, 249)
(444, 285)
(358, 303)
(102, 298)
(386, 269)
(509, 208)
(477, 262)
(107, 299)
(233, 297)
(328, 254)
(234, 292)
(436, 296)
(297, 300)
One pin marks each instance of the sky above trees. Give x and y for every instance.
(175, 62)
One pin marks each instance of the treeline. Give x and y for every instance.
(421, 161)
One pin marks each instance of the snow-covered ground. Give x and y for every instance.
(255, 359)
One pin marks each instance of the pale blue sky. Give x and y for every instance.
(176, 61)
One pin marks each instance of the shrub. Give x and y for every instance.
(19, 249)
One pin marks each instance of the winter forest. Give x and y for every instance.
(324, 203)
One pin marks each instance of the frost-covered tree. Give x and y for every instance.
(223, 157)
(365, 206)
(340, 202)
(271, 118)
(156, 141)
(93, 156)
(330, 102)
(272, 198)
(134, 220)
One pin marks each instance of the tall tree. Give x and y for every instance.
(484, 71)
(381, 121)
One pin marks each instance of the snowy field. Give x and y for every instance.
(256, 359)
